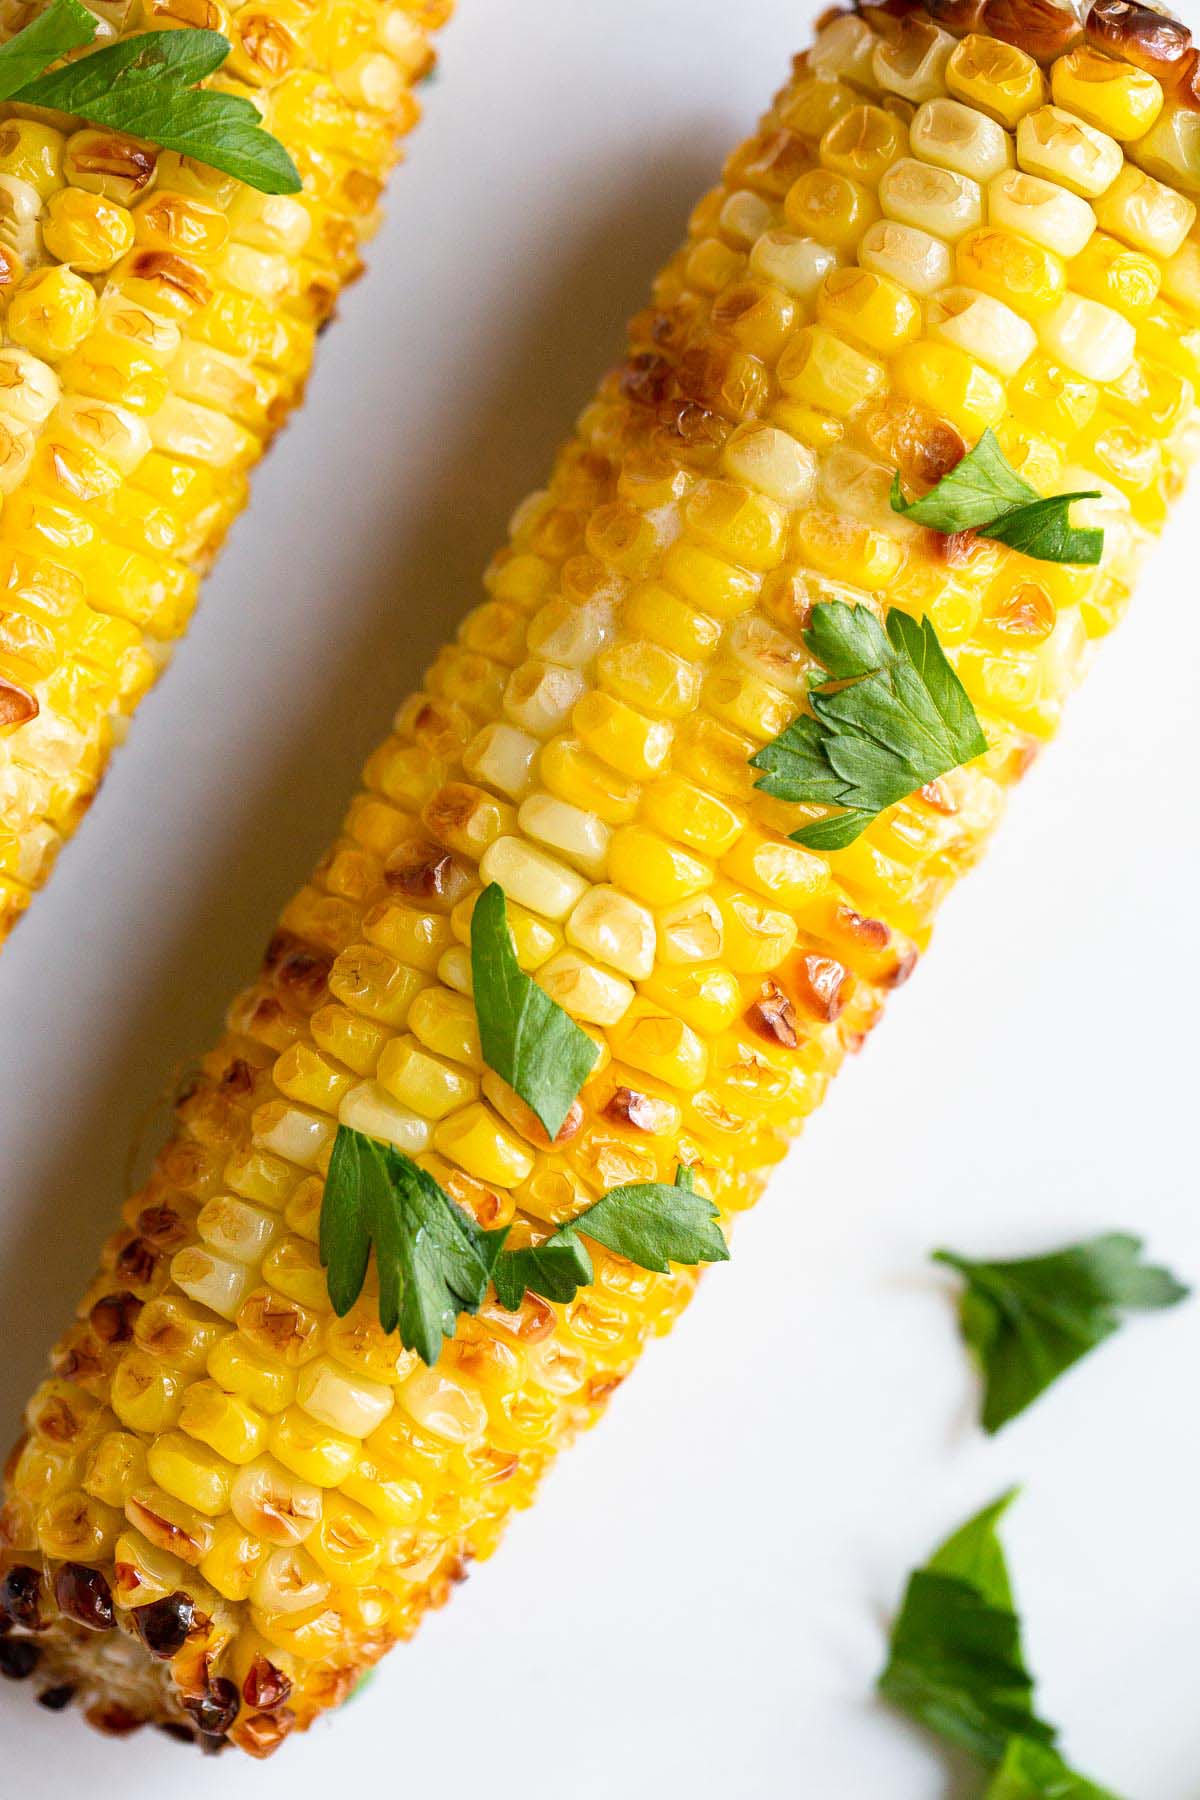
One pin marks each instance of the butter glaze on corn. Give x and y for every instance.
(157, 324)
(931, 233)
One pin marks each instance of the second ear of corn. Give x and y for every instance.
(929, 235)
(157, 324)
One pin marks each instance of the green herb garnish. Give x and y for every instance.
(649, 1223)
(432, 1260)
(957, 1665)
(526, 1037)
(1027, 1322)
(64, 26)
(903, 720)
(985, 494)
(146, 85)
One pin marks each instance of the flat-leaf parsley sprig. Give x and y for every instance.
(891, 717)
(146, 85)
(984, 493)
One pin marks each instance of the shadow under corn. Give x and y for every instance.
(408, 580)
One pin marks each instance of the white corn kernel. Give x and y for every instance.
(274, 1504)
(797, 264)
(454, 970)
(345, 1402)
(1181, 278)
(1089, 338)
(913, 64)
(1062, 148)
(17, 447)
(29, 388)
(914, 258)
(954, 136)
(570, 635)
(579, 836)
(369, 1108)
(532, 878)
(291, 1132)
(241, 1231)
(616, 930)
(1146, 213)
(1041, 211)
(691, 931)
(754, 642)
(214, 1281)
(846, 49)
(289, 1581)
(117, 435)
(539, 696)
(982, 326)
(939, 201)
(745, 216)
(502, 757)
(443, 1405)
(1170, 150)
(856, 485)
(771, 461)
(585, 991)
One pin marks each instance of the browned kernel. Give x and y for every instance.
(937, 795)
(112, 1719)
(872, 932)
(958, 16)
(267, 43)
(1152, 40)
(19, 1657)
(265, 1686)
(1042, 28)
(297, 970)
(162, 1225)
(84, 1595)
(110, 154)
(627, 1107)
(137, 1262)
(426, 872)
(174, 272)
(17, 705)
(773, 1016)
(1028, 612)
(262, 1733)
(164, 1625)
(824, 986)
(163, 1532)
(56, 1699)
(916, 440)
(20, 1596)
(215, 1710)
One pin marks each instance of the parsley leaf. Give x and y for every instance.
(903, 720)
(957, 1665)
(433, 1261)
(65, 25)
(1032, 1771)
(1027, 1322)
(984, 493)
(145, 85)
(526, 1037)
(650, 1223)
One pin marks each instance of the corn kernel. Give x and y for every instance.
(51, 312)
(869, 307)
(348, 1403)
(819, 368)
(793, 262)
(577, 776)
(863, 144)
(998, 78)
(241, 1369)
(421, 1082)
(475, 1139)
(956, 137)
(225, 1423)
(708, 581)
(1146, 213)
(1042, 211)
(985, 328)
(914, 258)
(635, 746)
(1056, 145)
(1113, 96)
(190, 1472)
(1089, 338)
(319, 1455)
(830, 207)
(912, 61)
(661, 1045)
(583, 990)
(1027, 277)
(608, 925)
(86, 230)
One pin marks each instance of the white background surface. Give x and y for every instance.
(696, 1605)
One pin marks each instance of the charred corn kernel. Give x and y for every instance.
(1113, 96)
(956, 137)
(1146, 213)
(212, 1428)
(913, 258)
(937, 201)
(985, 328)
(999, 79)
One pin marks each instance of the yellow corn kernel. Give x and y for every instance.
(842, 547)
(812, 106)
(635, 746)
(1170, 337)
(319, 1455)
(241, 1369)
(708, 581)
(915, 259)
(475, 1139)
(347, 1038)
(863, 144)
(654, 1041)
(1113, 96)
(757, 937)
(998, 78)
(423, 1082)
(1170, 150)
(795, 263)
(530, 876)
(346, 1544)
(232, 1560)
(655, 870)
(709, 1000)
(956, 137)
(747, 528)
(51, 312)
(1026, 276)
(145, 1395)
(869, 307)
(1062, 148)
(820, 369)
(831, 207)
(589, 993)
(652, 611)
(686, 812)
(32, 152)
(116, 1465)
(74, 1527)
(1146, 213)
(951, 383)
(225, 1423)
(347, 1402)
(1041, 211)
(911, 61)
(1117, 276)
(190, 1472)
(86, 230)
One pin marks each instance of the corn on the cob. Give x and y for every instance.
(157, 323)
(931, 233)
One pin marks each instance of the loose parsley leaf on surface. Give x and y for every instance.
(65, 25)
(433, 1261)
(1027, 1322)
(1032, 1771)
(146, 85)
(984, 493)
(957, 1666)
(526, 1037)
(650, 1223)
(903, 720)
